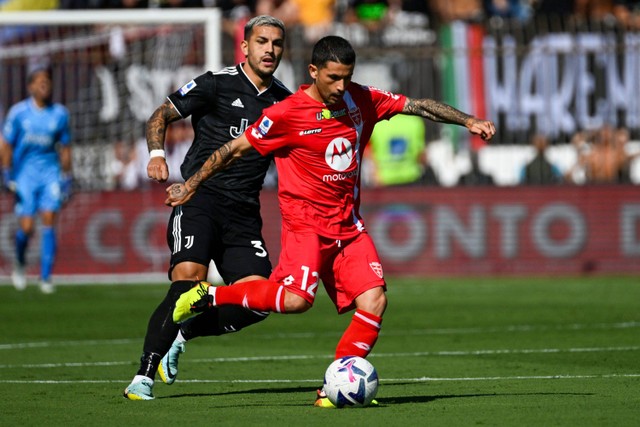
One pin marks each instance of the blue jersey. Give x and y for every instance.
(33, 133)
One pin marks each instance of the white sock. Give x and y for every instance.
(180, 338)
(212, 292)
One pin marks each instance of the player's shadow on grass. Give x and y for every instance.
(397, 400)
(400, 400)
(249, 391)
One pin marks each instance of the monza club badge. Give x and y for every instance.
(377, 268)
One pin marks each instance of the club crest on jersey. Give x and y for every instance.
(356, 117)
(265, 125)
(186, 88)
(377, 268)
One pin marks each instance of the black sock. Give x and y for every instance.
(161, 331)
(220, 321)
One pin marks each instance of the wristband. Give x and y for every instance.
(156, 153)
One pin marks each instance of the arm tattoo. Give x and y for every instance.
(219, 159)
(436, 111)
(157, 125)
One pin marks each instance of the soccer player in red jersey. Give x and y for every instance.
(317, 137)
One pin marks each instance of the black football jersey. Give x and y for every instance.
(222, 105)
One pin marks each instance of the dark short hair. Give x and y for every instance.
(261, 21)
(333, 49)
(32, 73)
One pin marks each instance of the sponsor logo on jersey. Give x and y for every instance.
(339, 176)
(237, 103)
(377, 268)
(310, 131)
(265, 125)
(186, 88)
(327, 114)
(339, 154)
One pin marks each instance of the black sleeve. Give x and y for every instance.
(197, 94)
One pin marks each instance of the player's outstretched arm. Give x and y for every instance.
(440, 112)
(178, 194)
(157, 124)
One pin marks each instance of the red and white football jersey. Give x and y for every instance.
(318, 153)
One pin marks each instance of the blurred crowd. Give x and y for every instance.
(397, 158)
(318, 16)
(398, 155)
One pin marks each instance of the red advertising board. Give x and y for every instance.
(418, 231)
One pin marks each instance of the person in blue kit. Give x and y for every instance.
(36, 167)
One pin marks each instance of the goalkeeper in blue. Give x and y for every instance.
(36, 167)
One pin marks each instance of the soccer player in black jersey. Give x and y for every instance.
(222, 223)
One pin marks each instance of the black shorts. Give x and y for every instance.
(207, 228)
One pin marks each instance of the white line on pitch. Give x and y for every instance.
(327, 356)
(313, 335)
(382, 380)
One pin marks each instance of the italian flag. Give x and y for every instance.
(463, 77)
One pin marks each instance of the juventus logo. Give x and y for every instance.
(235, 132)
(189, 242)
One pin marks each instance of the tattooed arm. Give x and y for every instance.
(443, 113)
(178, 194)
(157, 124)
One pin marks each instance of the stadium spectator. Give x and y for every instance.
(604, 157)
(285, 10)
(551, 11)
(398, 151)
(621, 139)
(317, 136)
(459, 10)
(36, 164)
(372, 14)
(540, 171)
(123, 170)
(627, 13)
(411, 13)
(476, 176)
(508, 9)
(595, 10)
(235, 14)
(314, 16)
(222, 223)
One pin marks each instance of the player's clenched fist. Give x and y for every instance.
(157, 169)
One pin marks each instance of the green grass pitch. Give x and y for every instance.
(453, 352)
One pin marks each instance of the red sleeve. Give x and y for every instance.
(387, 104)
(268, 133)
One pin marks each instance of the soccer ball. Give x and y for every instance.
(351, 381)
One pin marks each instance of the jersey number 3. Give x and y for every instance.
(258, 245)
